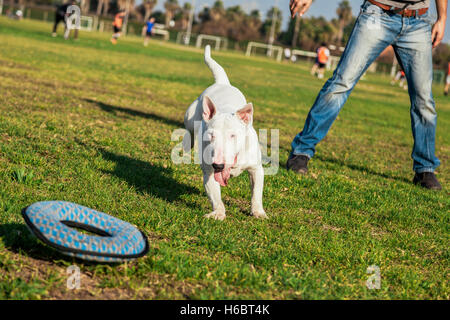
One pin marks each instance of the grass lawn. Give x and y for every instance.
(91, 123)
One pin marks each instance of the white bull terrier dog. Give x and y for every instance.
(229, 143)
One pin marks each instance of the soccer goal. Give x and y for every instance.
(270, 50)
(219, 41)
(185, 38)
(86, 23)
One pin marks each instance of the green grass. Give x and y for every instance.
(91, 123)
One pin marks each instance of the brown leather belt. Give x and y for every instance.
(405, 13)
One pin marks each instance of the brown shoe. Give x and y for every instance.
(427, 180)
(298, 163)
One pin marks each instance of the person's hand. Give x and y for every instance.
(437, 34)
(299, 6)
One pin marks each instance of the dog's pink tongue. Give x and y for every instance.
(222, 177)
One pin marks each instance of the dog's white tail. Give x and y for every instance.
(218, 72)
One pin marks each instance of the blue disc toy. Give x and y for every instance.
(54, 223)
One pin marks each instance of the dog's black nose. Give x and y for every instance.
(218, 167)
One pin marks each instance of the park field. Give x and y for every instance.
(89, 122)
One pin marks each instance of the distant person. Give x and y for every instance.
(400, 77)
(407, 26)
(149, 30)
(61, 14)
(18, 15)
(447, 81)
(117, 26)
(323, 54)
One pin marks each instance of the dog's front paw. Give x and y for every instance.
(217, 215)
(260, 215)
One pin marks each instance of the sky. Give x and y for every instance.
(326, 8)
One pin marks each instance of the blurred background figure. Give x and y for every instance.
(447, 83)
(117, 26)
(61, 14)
(400, 77)
(323, 54)
(18, 15)
(149, 30)
(287, 53)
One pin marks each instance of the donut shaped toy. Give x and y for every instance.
(55, 223)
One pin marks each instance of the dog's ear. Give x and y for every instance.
(209, 109)
(246, 113)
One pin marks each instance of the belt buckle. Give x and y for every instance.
(408, 13)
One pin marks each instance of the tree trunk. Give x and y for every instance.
(341, 31)
(148, 13)
(168, 18)
(105, 7)
(99, 7)
(85, 6)
(296, 31)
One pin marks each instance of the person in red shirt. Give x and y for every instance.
(400, 77)
(447, 81)
(323, 54)
(117, 26)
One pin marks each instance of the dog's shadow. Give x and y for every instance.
(147, 178)
(115, 110)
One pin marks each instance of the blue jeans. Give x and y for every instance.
(376, 29)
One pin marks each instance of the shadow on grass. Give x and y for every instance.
(362, 169)
(135, 113)
(17, 238)
(354, 167)
(147, 178)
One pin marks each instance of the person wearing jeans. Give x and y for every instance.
(408, 27)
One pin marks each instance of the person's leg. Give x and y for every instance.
(314, 69)
(321, 72)
(57, 21)
(373, 32)
(447, 85)
(414, 50)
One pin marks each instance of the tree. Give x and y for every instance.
(185, 14)
(217, 11)
(148, 8)
(103, 5)
(171, 7)
(344, 12)
(255, 14)
(85, 6)
(266, 29)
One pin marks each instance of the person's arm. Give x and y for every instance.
(438, 31)
(300, 7)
